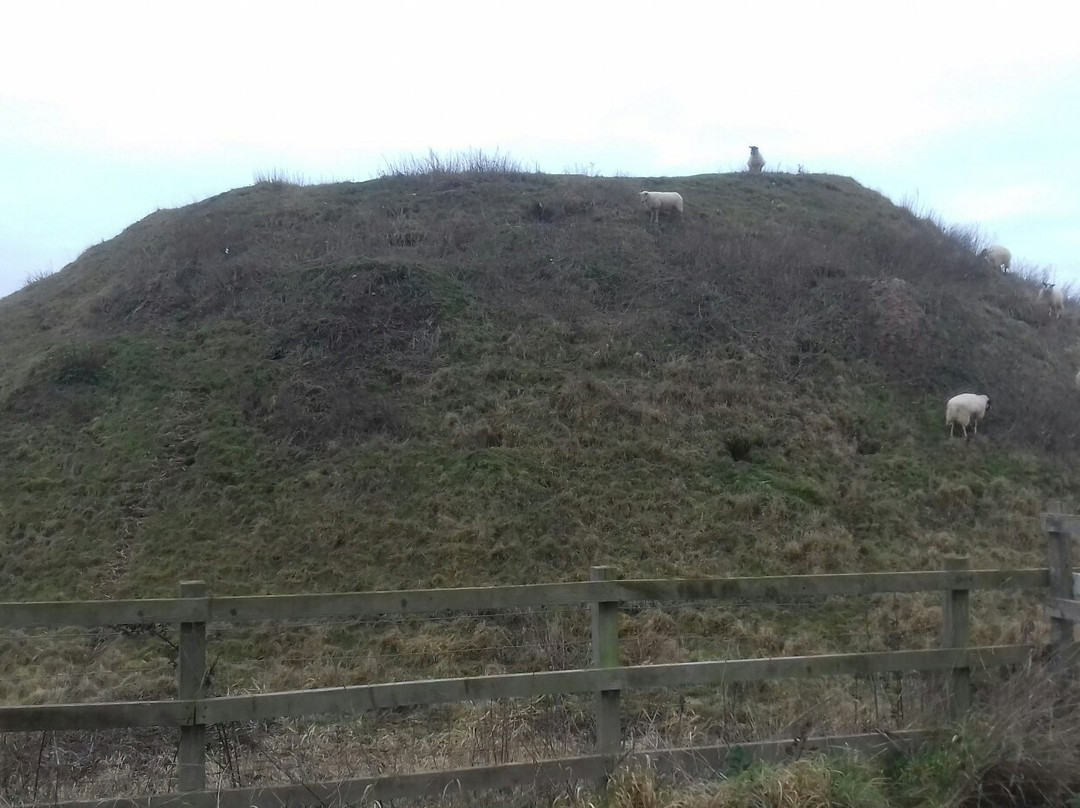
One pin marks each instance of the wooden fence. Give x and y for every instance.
(192, 711)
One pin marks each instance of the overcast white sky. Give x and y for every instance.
(109, 111)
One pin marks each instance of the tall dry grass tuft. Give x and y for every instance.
(278, 178)
(36, 276)
(1021, 747)
(813, 782)
(472, 162)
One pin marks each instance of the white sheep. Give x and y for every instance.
(756, 161)
(656, 201)
(1054, 297)
(966, 409)
(998, 256)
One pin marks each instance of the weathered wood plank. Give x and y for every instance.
(107, 715)
(242, 608)
(368, 604)
(956, 633)
(190, 678)
(1059, 542)
(865, 664)
(1061, 523)
(361, 698)
(711, 759)
(99, 613)
(786, 587)
(541, 774)
(1064, 609)
(605, 652)
(415, 601)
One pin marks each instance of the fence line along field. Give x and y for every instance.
(599, 703)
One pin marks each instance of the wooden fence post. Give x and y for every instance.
(605, 647)
(956, 633)
(1059, 560)
(190, 674)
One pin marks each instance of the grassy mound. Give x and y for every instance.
(462, 378)
(472, 374)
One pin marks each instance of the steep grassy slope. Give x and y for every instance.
(464, 379)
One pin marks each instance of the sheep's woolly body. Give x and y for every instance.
(998, 256)
(656, 201)
(756, 161)
(965, 410)
(1054, 298)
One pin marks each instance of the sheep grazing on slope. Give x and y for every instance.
(656, 201)
(756, 161)
(1054, 297)
(965, 410)
(998, 256)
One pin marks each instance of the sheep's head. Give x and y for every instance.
(644, 196)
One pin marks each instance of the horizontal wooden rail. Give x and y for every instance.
(539, 774)
(105, 715)
(361, 698)
(478, 599)
(416, 601)
(1060, 523)
(59, 614)
(1064, 609)
(788, 587)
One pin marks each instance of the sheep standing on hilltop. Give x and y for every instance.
(998, 256)
(756, 161)
(1054, 297)
(966, 409)
(656, 201)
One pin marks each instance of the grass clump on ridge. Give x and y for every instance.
(474, 162)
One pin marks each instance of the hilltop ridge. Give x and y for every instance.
(472, 378)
